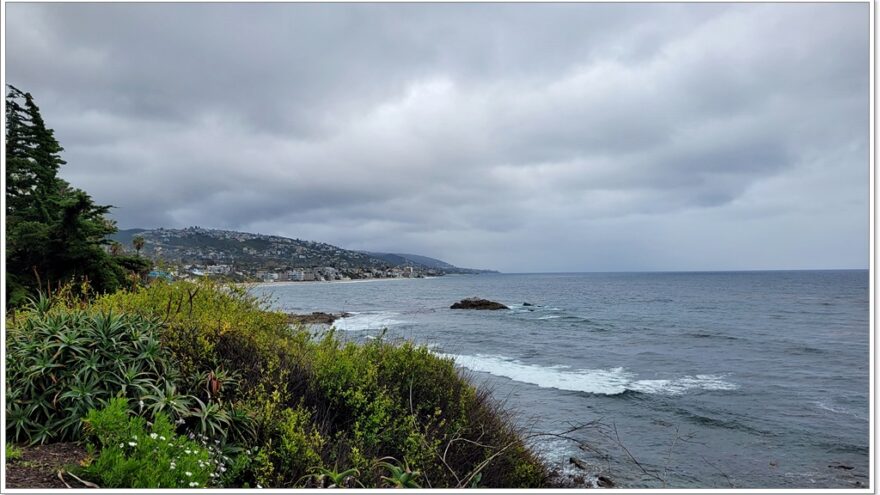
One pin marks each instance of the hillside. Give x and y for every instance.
(404, 259)
(257, 252)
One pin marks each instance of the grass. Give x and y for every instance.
(13, 453)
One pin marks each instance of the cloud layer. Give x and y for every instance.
(521, 137)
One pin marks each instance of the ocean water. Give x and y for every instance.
(726, 379)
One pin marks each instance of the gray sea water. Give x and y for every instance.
(727, 379)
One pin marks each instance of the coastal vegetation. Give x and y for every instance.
(198, 384)
(246, 397)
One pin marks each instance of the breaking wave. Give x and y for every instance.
(611, 381)
(368, 321)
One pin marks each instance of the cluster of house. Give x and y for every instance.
(318, 274)
(328, 273)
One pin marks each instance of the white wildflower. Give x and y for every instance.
(132, 444)
(188, 451)
(121, 445)
(161, 437)
(188, 473)
(154, 435)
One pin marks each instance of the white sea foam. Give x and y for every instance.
(611, 381)
(679, 386)
(549, 317)
(367, 321)
(839, 409)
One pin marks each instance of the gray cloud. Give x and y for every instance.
(513, 136)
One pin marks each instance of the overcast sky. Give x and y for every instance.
(518, 137)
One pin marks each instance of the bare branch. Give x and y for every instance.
(720, 471)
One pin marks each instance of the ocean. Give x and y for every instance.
(692, 379)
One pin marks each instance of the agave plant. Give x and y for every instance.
(331, 478)
(18, 422)
(212, 419)
(69, 341)
(149, 350)
(168, 400)
(399, 476)
(62, 363)
(211, 384)
(41, 304)
(130, 379)
(242, 426)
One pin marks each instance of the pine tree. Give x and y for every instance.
(55, 233)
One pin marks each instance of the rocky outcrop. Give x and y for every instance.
(477, 303)
(315, 318)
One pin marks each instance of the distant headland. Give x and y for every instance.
(247, 257)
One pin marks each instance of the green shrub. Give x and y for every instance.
(129, 454)
(296, 449)
(13, 453)
(400, 400)
(195, 317)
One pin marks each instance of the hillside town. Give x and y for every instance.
(314, 274)
(244, 257)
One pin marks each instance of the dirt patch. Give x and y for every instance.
(39, 466)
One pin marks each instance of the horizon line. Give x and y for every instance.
(682, 271)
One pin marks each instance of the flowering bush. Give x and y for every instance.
(132, 454)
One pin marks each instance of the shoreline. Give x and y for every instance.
(314, 282)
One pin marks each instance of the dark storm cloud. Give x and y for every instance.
(516, 136)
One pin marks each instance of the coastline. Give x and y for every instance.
(315, 282)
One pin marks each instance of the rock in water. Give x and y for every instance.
(579, 463)
(477, 303)
(315, 318)
(604, 482)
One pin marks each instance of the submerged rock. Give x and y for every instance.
(528, 304)
(477, 303)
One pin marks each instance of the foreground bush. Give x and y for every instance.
(127, 453)
(314, 410)
(62, 362)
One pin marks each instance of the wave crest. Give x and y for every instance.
(611, 381)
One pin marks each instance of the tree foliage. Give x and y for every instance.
(55, 233)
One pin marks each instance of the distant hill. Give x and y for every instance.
(195, 245)
(124, 237)
(423, 261)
